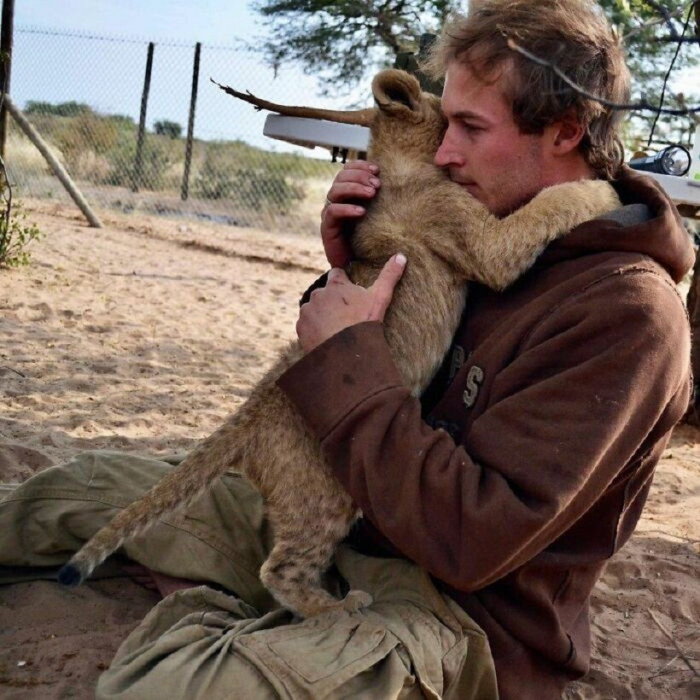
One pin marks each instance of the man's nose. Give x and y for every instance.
(447, 154)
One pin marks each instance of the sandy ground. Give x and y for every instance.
(142, 336)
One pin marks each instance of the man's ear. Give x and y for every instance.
(566, 134)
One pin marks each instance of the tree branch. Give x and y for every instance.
(666, 15)
(671, 638)
(643, 106)
(670, 68)
(678, 40)
(678, 12)
(680, 98)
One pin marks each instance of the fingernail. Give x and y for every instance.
(401, 259)
(374, 168)
(374, 181)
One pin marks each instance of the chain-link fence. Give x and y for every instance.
(87, 96)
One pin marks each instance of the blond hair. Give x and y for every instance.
(575, 36)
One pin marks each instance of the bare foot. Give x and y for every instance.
(154, 581)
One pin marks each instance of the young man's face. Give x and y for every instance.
(483, 149)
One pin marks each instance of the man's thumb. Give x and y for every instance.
(383, 287)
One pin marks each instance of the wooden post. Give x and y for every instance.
(693, 303)
(184, 193)
(8, 15)
(410, 62)
(138, 162)
(58, 169)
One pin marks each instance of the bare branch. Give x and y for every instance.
(678, 40)
(670, 68)
(671, 638)
(667, 17)
(640, 28)
(680, 98)
(643, 106)
(17, 372)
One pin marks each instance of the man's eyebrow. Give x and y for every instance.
(473, 116)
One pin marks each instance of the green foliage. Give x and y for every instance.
(15, 236)
(122, 121)
(62, 109)
(341, 42)
(72, 134)
(102, 149)
(157, 157)
(258, 186)
(164, 127)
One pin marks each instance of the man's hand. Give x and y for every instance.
(357, 180)
(341, 304)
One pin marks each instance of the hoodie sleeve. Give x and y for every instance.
(592, 381)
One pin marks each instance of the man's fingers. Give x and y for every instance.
(337, 275)
(356, 182)
(335, 243)
(342, 192)
(383, 287)
(333, 214)
(353, 167)
(365, 164)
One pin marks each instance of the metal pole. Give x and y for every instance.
(138, 163)
(184, 193)
(8, 15)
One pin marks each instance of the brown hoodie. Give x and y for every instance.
(555, 405)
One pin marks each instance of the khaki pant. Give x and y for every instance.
(205, 643)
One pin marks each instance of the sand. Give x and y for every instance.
(143, 336)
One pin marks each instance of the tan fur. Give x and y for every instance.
(449, 238)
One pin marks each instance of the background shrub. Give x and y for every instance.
(260, 184)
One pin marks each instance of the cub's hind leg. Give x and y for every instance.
(305, 542)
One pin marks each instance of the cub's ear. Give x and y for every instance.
(396, 91)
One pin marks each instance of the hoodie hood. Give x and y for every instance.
(648, 223)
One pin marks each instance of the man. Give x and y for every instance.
(563, 389)
(523, 469)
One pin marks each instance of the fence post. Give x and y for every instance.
(8, 13)
(184, 193)
(138, 162)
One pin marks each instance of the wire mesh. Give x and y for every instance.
(84, 94)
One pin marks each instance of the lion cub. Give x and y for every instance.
(449, 239)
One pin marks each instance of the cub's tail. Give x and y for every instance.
(178, 489)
